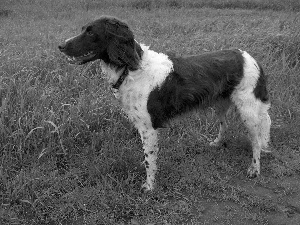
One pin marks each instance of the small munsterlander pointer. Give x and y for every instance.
(153, 87)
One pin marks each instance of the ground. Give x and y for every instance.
(69, 155)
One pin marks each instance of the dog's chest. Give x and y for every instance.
(133, 96)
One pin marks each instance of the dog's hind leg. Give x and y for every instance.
(149, 138)
(265, 124)
(221, 111)
(254, 114)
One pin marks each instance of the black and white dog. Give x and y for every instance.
(153, 87)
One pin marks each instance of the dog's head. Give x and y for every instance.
(108, 39)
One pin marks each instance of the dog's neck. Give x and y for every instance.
(114, 74)
(122, 77)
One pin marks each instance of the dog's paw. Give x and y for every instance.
(253, 171)
(146, 188)
(218, 144)
(214, 144)
(266, 150)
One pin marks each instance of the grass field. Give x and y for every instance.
(69, 156)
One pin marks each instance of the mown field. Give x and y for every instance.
(68, 155)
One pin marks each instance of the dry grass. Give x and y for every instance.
(49, 108)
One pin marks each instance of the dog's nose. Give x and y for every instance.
(62, 47)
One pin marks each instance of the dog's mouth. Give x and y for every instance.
(78, 60)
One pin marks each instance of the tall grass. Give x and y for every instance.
(277, 5)
(69, 154)
(290, 5)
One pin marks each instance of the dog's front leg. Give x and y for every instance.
(150, 145)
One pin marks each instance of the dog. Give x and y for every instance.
(153, 87)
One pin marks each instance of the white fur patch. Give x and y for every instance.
(69, 39)
(244, 91)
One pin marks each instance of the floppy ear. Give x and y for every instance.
(122, 48)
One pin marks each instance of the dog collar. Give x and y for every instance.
(121, 79)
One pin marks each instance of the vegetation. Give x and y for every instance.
(69, 156)
(291, 5)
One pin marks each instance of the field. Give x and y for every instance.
(68, 155)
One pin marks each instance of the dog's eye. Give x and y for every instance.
(90, 33)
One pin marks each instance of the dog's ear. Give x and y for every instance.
(122, 48)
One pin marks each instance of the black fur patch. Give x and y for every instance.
(196, 82)
(260, 90)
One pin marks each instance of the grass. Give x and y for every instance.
(69, 156)
(277, 5)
